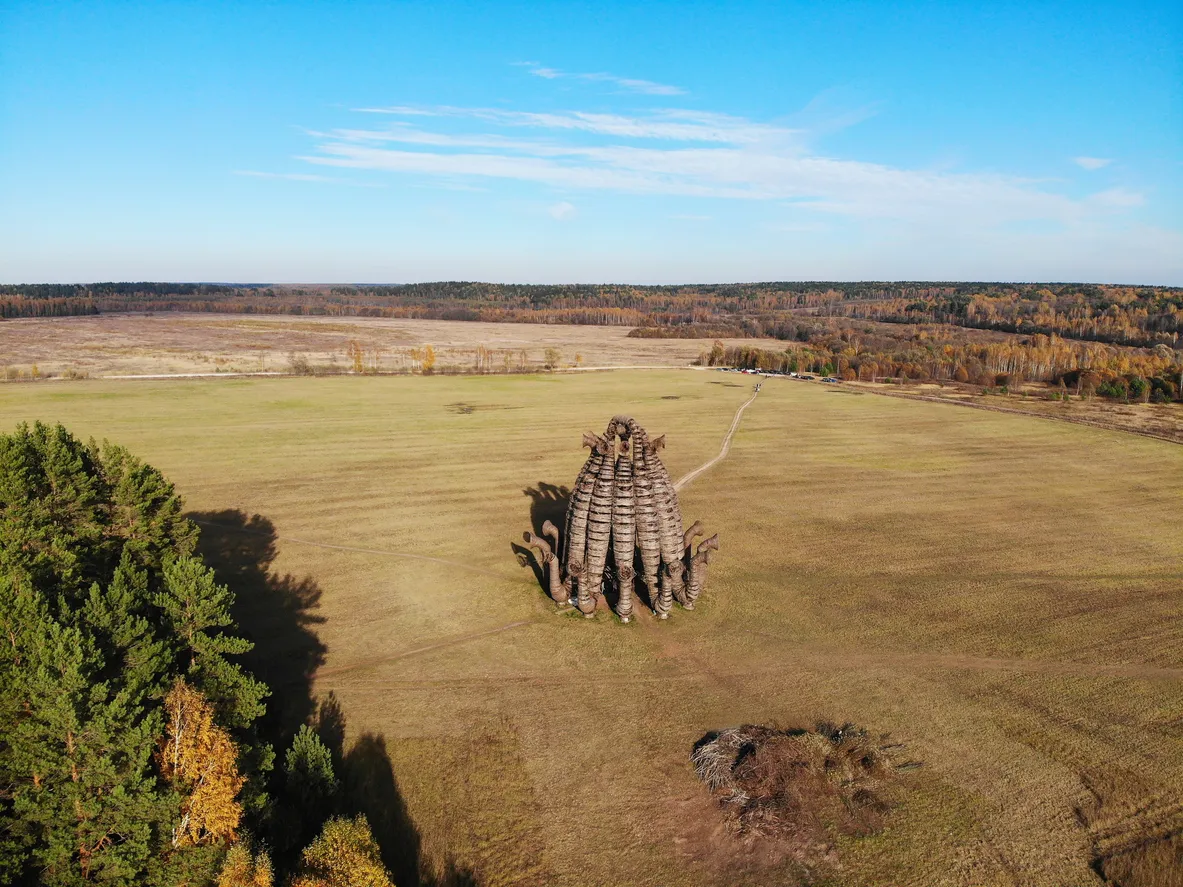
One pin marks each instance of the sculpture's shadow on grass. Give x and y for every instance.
(548, 502)
(527, 558)
(276, 612)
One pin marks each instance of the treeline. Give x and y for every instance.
(1135, 316)
(69, 299)
(98, 290)
(693, 331)
(600, 304)
(18, 306)
(944, 354)
(132, 750)
(1142, 317)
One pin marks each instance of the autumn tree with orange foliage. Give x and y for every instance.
(345, 855)
(242, 868)
(356, 355)
(201, 760)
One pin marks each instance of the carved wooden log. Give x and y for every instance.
(584, 482)
(550, 562)
(698, 569)
(652, 522)
(575, 556)
(694, 530)
(669, 528)
(560, 589)
(670, 522)
(599, 529)
(624, 531)
(589, 439)
(648, 529)
(550, 531)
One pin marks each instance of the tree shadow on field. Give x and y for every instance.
(548, 502)
(370, 787)
(276, 612)
(279, 614)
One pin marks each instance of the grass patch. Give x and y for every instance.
(961, 578)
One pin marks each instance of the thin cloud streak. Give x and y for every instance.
(630, 84)
(712, 155)
(668, 124)
(1092, 163)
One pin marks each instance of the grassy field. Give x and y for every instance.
(174, 343)
(1002, 594)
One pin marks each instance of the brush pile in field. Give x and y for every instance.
(624, 514)
(803, 786)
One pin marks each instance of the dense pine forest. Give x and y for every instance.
(137, 747)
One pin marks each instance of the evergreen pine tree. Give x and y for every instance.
(194, 606)
(102, 609)
(310, 789)
(85, 799)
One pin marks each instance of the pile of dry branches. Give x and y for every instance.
(802, 786)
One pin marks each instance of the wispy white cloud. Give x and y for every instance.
(692, 154)
(670, 124)
(1092, 163)
(401, 110)
(562, 211)
(630, 84)
(700, 154)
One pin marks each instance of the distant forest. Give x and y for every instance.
(1117, 341)
(1135, 316)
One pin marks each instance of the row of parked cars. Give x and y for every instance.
(804, 376)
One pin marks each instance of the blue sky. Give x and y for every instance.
(591, 142)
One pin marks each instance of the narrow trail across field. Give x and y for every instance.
(732, 679)
(686, 478)
(415, 651)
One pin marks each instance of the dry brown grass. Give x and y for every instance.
(1000, 594)
(1159, 420)
(205, 343)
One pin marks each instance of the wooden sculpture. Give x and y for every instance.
(549, 560)
(624, 513)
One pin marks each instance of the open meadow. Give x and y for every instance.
(1003, 595)
(177, 343)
